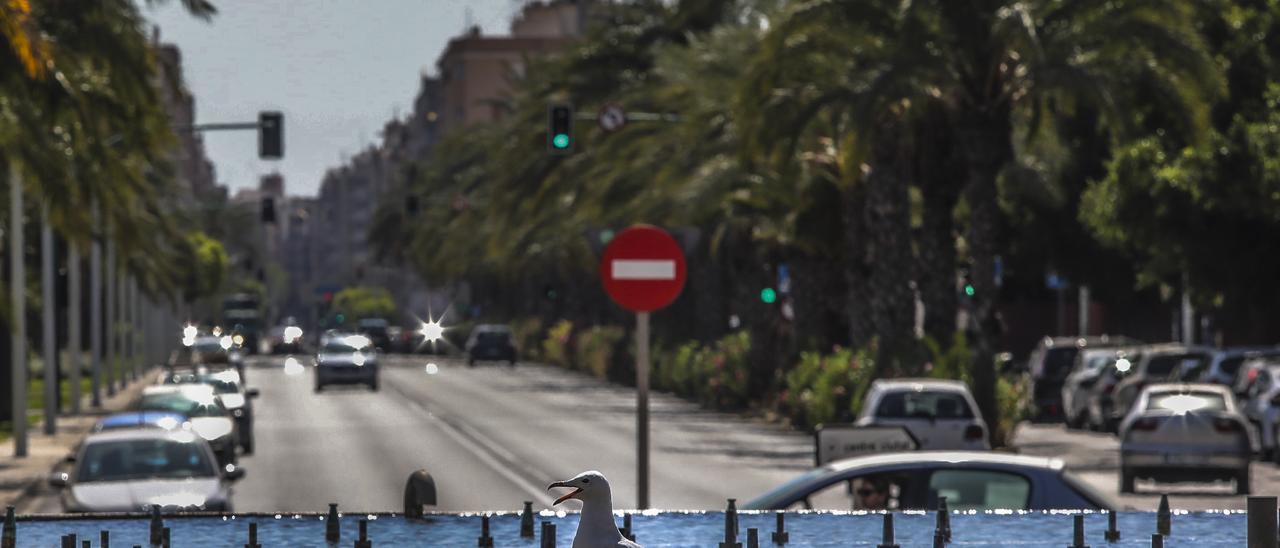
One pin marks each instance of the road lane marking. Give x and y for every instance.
(643, 269)
(488, 451)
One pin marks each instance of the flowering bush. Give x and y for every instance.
(826, 388)
(555, 348)
(594, 348)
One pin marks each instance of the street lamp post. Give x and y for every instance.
(73, 324)
(109, 359)
(95, 317)
(50, 348)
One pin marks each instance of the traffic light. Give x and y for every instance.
(560, 129)
(768, 295)
(268, 210)
(270, 135)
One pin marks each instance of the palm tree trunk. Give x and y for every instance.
(856, 273)
(986, 138)
(937, 166)
(889, 253)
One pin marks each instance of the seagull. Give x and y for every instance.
(596, 528)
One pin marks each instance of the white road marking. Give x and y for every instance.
(644, 269)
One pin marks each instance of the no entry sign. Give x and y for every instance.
(643, 269)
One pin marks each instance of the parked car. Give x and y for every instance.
(376, 329)
(1226, 363)
(1089, 368)
(209, 417)
(163, 420)
(131, 470)
(971, 480)
(234, 395)
(1248, 374)
(1184, 432)
(1158, 363)
(1261, 407)
(1102, 415)
(940, 414)
(1050, 363)
(347, 360)
(491, 342)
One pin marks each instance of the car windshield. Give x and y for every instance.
(923, 405)
(493, 337)
(334, 347)
(1187, 402)
(181, 404)
(143, 459)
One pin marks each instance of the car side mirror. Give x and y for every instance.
(252, 392)
(59, 479)
(233, 472)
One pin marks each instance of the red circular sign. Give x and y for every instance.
(643, 268)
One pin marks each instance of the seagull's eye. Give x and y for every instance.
(585, 480)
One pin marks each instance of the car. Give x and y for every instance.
(198, 402)
(1101, 415)
(1089, 368)
(135, 469)
(347, 360)
(1227, 362)
(234, 395)
(1050, 363)
(1261, 406)
(1248, 374)
(1185, 432)
(164, 420)
(970, 480)
(376, 329)
(939, 414)
(1158, 363)
(491, 342)
(285, 339)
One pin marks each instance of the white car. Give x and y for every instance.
(1185, 432)
(131, 470)
(939, 414)
(201, 405)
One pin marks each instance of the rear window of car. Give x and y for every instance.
(923, 405)
(1161, 366)
(1186, 402)
(493, 337)
(1231, 365)
(1058, 361)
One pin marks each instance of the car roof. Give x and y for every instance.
(1187, 387)
(920, 384)
(947, 457)
(186, 389)
(1173, 348)
(130, 434)
(139, 418)
(1090, 340)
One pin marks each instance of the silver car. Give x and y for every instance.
(1091, 363)
(1185, 432)
(347, 360)
(131, 470)
(940, 414)
(970, 480)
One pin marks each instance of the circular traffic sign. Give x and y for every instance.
(612, 117)
(643, 268)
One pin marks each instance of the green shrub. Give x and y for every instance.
(528, 336)
(556, 346)
(594, 348)
(826, 388)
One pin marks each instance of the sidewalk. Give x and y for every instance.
(20, 478)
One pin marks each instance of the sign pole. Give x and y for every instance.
(642, 409)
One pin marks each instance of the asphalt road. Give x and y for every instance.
(492, 436)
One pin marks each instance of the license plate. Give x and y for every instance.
(1186, 459)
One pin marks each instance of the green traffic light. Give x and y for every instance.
(340, 318)
(768, 295)
(560, 140)
(968, 290)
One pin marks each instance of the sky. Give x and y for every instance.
(338, 69)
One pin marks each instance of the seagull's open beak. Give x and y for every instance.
(566, 497)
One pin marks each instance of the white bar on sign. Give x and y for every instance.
(639, 269)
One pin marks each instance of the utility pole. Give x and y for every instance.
(73, 324)
(18, 301)
(95, 315)
(109, 283)
(50, 348)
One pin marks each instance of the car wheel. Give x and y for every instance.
(247, 446)
(1242, 481)
(1126, 481)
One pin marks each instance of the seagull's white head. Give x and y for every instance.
(586, 486)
